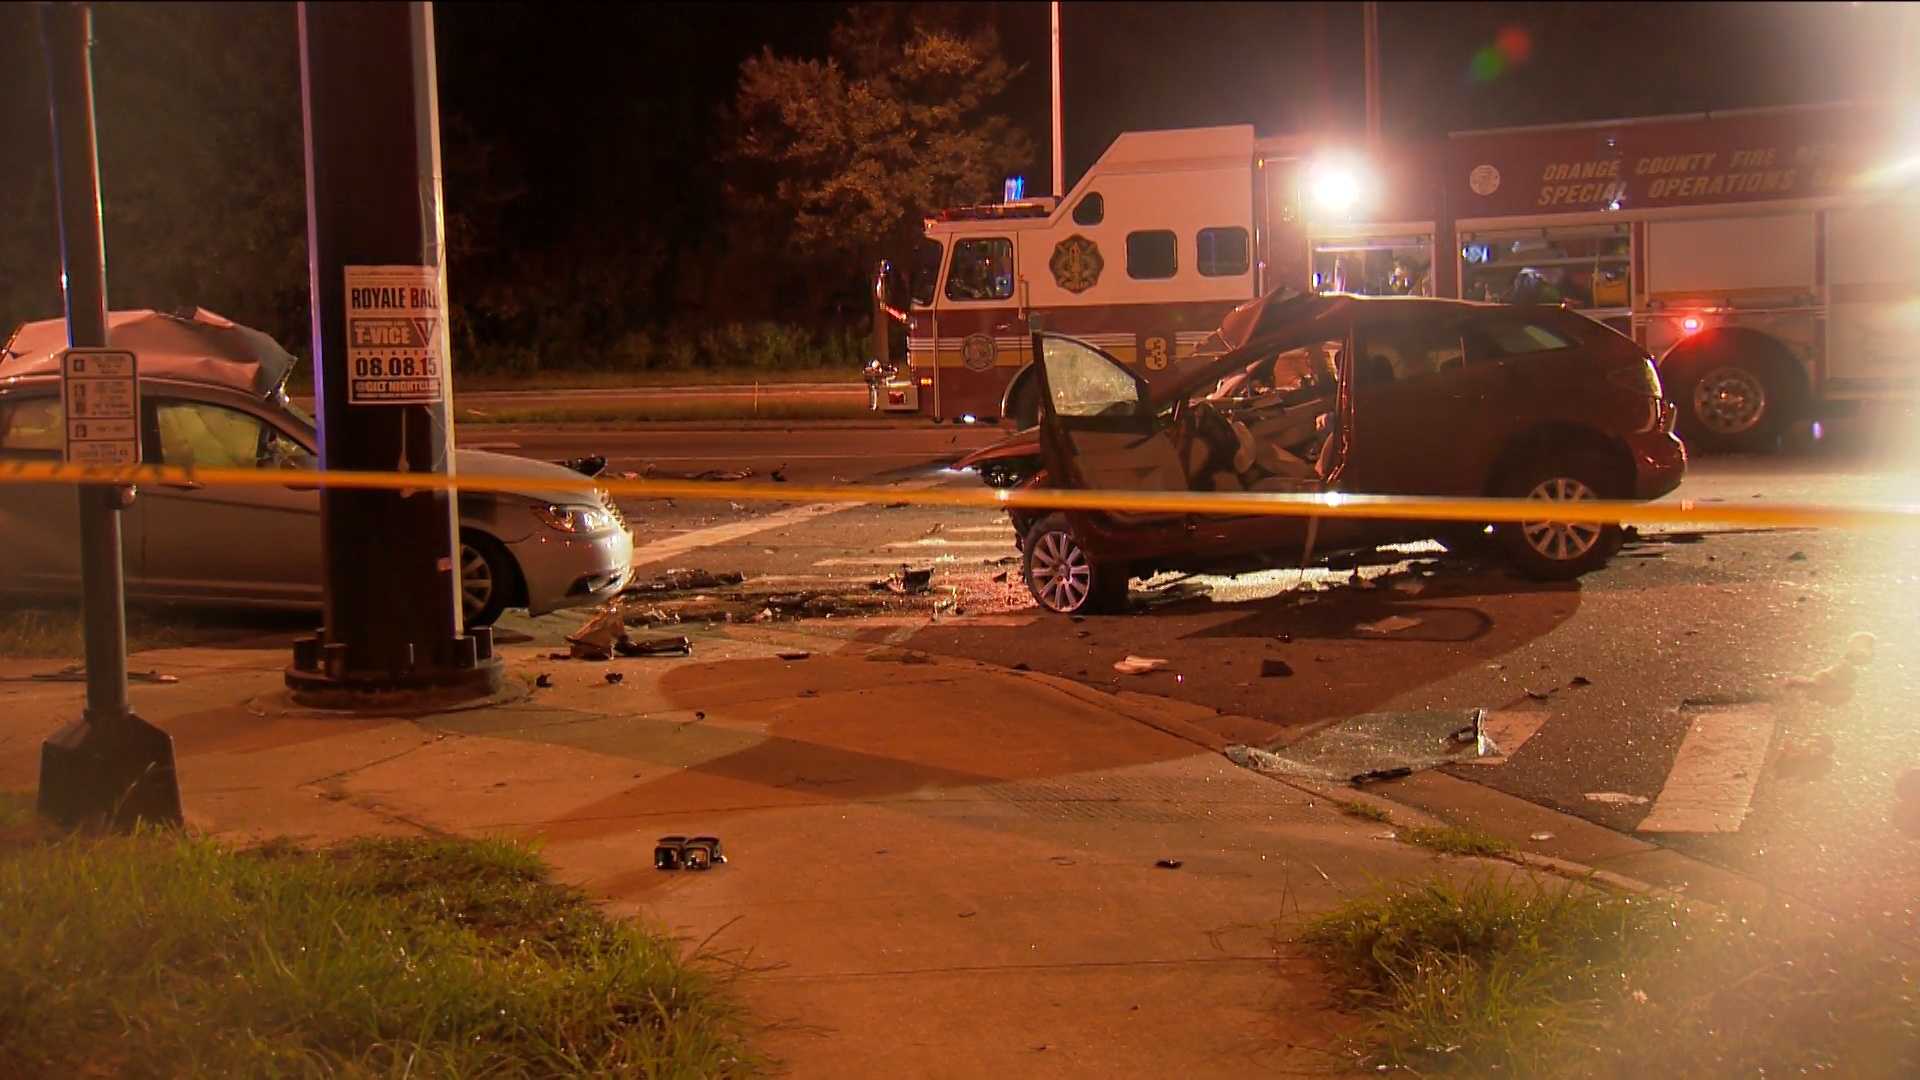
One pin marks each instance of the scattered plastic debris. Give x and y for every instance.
(1001, 576)
(78, 673)
(1274, 668)
(1616, 798)
(1580, 680)
(660, 646)
(688, 580)
(796, 654)
(1392, 624)
(1798, 556)
(779, 475)
(687, 853)
(1539, 695)
(1375, 775)
(586, 464)
(906, 582)
(1168, 864)
(1139, 665)
(1252, 757)
(614, 678)
(1541, 836)
(543, 680)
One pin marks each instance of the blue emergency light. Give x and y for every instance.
(1016, 189)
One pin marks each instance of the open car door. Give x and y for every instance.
(1099, 429)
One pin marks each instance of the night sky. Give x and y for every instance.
(603, 121)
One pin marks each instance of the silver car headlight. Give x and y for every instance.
(573, 518)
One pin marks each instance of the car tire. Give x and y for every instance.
(1062, 578)
(1557, 551)
(489, 580)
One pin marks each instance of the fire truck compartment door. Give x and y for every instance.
(1720, 256)
(1873, 288)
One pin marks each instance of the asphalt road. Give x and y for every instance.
(1656, 697)
(853, 393)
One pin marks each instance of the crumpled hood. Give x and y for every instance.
(544, 481)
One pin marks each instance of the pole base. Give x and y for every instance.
(324, 675)
(120, 774)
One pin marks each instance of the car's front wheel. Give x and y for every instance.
(1558, 550)
(1062, 577)
(487, 578)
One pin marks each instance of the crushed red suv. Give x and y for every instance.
(1347, 394)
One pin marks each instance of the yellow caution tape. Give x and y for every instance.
(1232, 504)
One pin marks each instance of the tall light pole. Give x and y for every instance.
(1059, 166)
(1370, 28)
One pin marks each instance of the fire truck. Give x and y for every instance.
(1769, 259)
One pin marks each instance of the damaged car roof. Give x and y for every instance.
(197, 346)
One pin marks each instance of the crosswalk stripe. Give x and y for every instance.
(1710, 786)
(675, 546)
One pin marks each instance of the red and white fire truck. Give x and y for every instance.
(1770, 258)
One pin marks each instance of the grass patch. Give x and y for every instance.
(168, 955)
(58, 632)
(1456, 840)
(1511, 976)
(655, 411)
(1364, 811)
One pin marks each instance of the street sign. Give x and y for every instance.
(100, 398)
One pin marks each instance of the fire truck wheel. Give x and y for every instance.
(1558, 550)
(1733, 391)
(1061, 576)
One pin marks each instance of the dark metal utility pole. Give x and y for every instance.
(376, 250)
(109, 764)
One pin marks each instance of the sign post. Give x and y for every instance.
(110, 764)
(377, 249)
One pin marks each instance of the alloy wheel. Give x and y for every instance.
(1561, 541)
(476, 580)
(1059, 572)
(1729, 401)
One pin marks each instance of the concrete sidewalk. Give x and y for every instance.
(936, 867)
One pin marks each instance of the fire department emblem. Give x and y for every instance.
(977, 352)
(1076, 264)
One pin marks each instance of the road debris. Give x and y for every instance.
(905, 582)
(1372, 776)
(1172, 593)
(686, 581)
(78, 673)
(795, 654)
(1275, 668)
(1540, 836)
(1616, 798)
(1000, 577)
(614, 678)
(659, 646)
(1580, 680)
(1410, 586)
(1139, 665)
(1798, 556)
(586, 464)
(687, 853)
(1392, 624)
(1167, 864)
(779, 475)
(1252, 757)
(543, 681)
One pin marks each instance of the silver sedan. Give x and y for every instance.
(212, 396)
